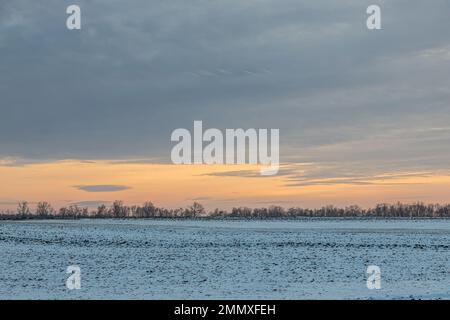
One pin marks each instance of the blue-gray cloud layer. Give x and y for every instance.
(139, 69)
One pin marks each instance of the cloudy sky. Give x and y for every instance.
(86, 116)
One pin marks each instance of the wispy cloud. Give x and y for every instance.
(90, 203)
(12, 202)
(203, 198)
(285, 170)
(102, 188)
(310, 174)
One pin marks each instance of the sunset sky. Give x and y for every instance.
(86, 115)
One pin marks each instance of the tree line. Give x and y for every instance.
(118, 209)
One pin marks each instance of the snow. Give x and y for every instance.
(225, 259)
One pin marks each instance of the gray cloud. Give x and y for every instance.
(339, 93)
(102, 188)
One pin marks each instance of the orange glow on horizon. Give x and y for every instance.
(173, 186)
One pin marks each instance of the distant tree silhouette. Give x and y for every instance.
(102, 211)
(23, 210)
(118, 210)
(44, 210)
(148, 210)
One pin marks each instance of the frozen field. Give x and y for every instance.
(231, 259)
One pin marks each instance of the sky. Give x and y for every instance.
(86, 115)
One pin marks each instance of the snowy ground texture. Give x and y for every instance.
(223, 259)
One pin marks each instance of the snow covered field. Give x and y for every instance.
(225, 259)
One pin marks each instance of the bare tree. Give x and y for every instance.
(102, 211)
(44, 209)
(148, 210)
(119, 210)
(23, 209)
